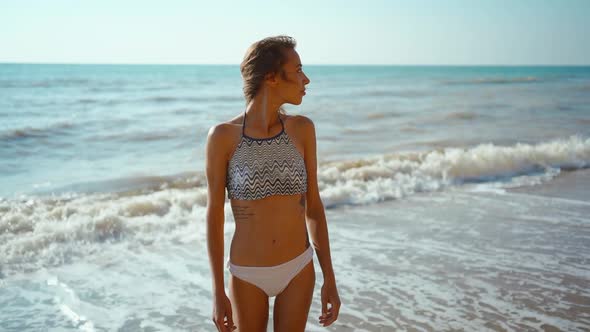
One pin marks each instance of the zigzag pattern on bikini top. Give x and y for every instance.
(265, 167)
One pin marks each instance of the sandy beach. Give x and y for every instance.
(470, 261)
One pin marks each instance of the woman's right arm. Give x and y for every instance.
(215, 168)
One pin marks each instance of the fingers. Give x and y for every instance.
(219, 325)
(229, 315)
(330, 315)
(224, 325)
(324, 314)
(219, 328)
(228, 324)
(230, 320)
(222, 315)
(329, 318)
(326, 318)
(229, 327)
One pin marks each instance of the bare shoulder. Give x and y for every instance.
(301, 122)
(223, 136)
(227, 128)
(219, 133)
(303, 130)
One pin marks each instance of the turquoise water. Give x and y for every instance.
(73, 125)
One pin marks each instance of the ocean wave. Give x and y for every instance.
(382, 115)
(87, 101)
(110, 101)
(391, 176)
(57, 128)
(172, 99)
(160, 87)
(392, 93)
(35, 230)
(497, 80)
(135, 136)
(47, 83)
(38, 232)
(461, 116)
(394, 176)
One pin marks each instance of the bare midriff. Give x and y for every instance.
(269, 231)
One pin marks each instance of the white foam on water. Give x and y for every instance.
(395, 176)
(48, 231)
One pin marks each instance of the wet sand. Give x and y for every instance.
(455, 261)
(569, 185)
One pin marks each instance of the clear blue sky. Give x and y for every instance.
(328, 32)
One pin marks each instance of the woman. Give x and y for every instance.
(267, 160)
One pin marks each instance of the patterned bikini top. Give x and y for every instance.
(262, 167)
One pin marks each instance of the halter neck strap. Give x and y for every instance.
(244, 126)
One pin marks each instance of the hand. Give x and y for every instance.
(222, 314)
(329, 295)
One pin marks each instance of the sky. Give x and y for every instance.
(373, 32)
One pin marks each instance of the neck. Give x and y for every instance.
(263, 112)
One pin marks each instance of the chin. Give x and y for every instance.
(295, 102)
(298, 101)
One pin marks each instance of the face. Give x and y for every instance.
(292, 87)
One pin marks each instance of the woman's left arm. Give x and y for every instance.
(318, 227)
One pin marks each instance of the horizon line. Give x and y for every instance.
(310, 64)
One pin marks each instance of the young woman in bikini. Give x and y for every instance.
(267, 161)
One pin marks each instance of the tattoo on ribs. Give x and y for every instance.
(242, 212)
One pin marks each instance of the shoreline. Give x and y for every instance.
(572, 185)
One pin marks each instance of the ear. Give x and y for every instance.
(271, 79)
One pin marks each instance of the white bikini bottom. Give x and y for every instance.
(272, 279)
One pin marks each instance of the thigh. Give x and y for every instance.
(249, 305)
(291, 306)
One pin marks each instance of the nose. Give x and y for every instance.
(306, 80)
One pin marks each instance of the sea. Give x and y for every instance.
(457, 197)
